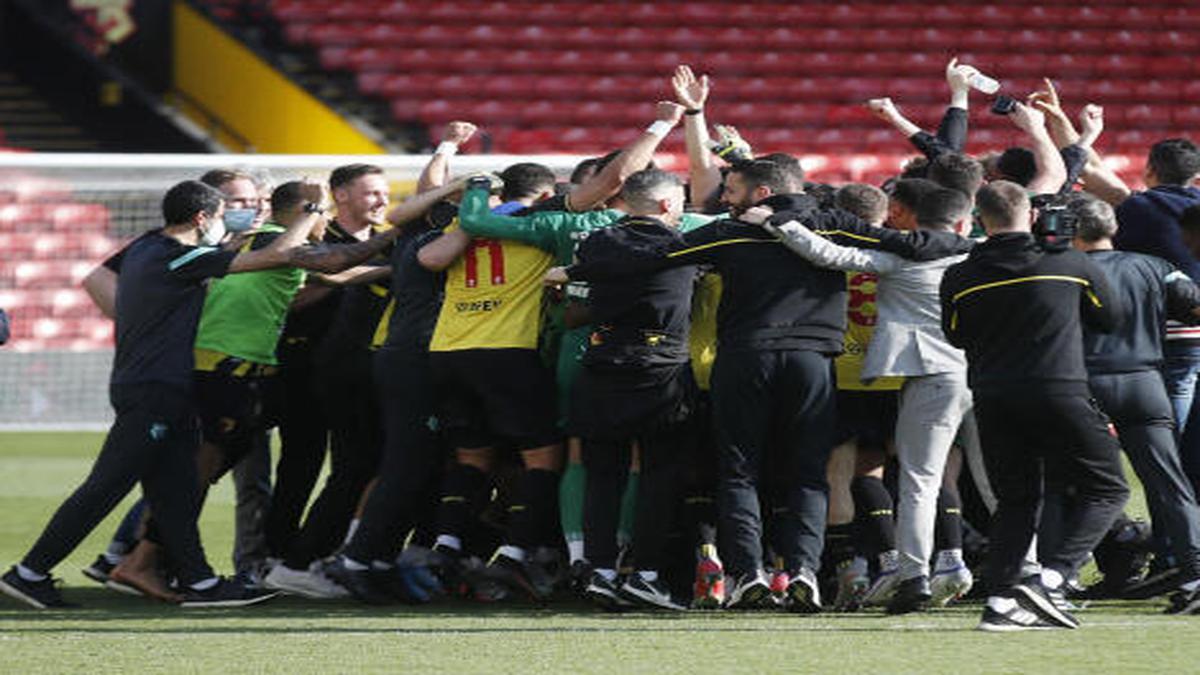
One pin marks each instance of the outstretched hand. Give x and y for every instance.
(458, 132)
(959, 76)
(690, 91)
(757, 215)
(556, 276)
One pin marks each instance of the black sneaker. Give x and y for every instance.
(912, 595)
(649, 593)
(580, 575)
(1033, 596)
(99, 570)
(42, 594)
(1016, 619)
(226, 593)
(1184, 602)
(604, 593)
(803, 593)
(517, 576)
(447, 565)
(361, 583)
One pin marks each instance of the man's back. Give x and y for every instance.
(1140, 281)
(1018, 310)
(1149, 223)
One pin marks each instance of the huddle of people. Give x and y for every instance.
(742, 391)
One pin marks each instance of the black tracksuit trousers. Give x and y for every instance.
(410, 460)
(1138, 405)
(1058, 435)
(154, 441)
(774, 417)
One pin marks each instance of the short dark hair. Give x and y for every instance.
(184, 200)
(525, 180)
(1001, 203)
(287, 196)
(1017, 164)
(917, 167)
(942, 208)
(1095, 219)
(909, 192)
(867, 202)
(645, 187)
(584, 170)
(1175, 161)
(789, 162)
(218, 177)
(765, 173)
(345, 175)
(957, 171)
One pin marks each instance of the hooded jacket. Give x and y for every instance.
(1018, 310)
(1149, 223)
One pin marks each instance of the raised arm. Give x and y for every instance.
(287, 247)
(476, 218)
(704, 176)
(437, 171)
(597, 189)
(1051, 170)
(441, 253)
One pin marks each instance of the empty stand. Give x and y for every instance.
(792, 72)
(48, 244)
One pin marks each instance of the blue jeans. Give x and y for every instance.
(1180, 370)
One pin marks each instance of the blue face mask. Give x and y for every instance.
(239, 220)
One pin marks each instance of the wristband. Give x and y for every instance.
(693, 111)
(660, 128)
(446, 148)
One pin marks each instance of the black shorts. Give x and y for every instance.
(492, 397)
(233, 408)
(617, 403)
(866, 416)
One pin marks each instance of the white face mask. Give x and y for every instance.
(214, 233)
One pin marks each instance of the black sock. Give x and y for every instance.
(700, 518)
(462, 497)
(873, 516)
(948, 529)
(839, 543)
(533, 513)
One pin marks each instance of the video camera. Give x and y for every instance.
(1055, 225)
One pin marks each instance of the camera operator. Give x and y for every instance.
(1123, 373)
(1017, 309)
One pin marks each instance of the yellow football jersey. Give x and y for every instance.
(702, 340)
(860, 324)
(493, 297)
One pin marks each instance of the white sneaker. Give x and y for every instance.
(950, 579)
(751, 591)
(310, 583)
(884, 587)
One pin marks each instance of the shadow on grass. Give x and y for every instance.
(104, 612)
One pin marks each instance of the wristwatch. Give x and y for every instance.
(312, 207)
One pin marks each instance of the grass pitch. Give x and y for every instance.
(114, 633)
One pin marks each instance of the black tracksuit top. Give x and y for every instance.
(637, 318)
(771, 298)
(1018, 310)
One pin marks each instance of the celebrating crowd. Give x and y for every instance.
(744, 390)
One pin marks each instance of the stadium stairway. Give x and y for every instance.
(29, 122)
